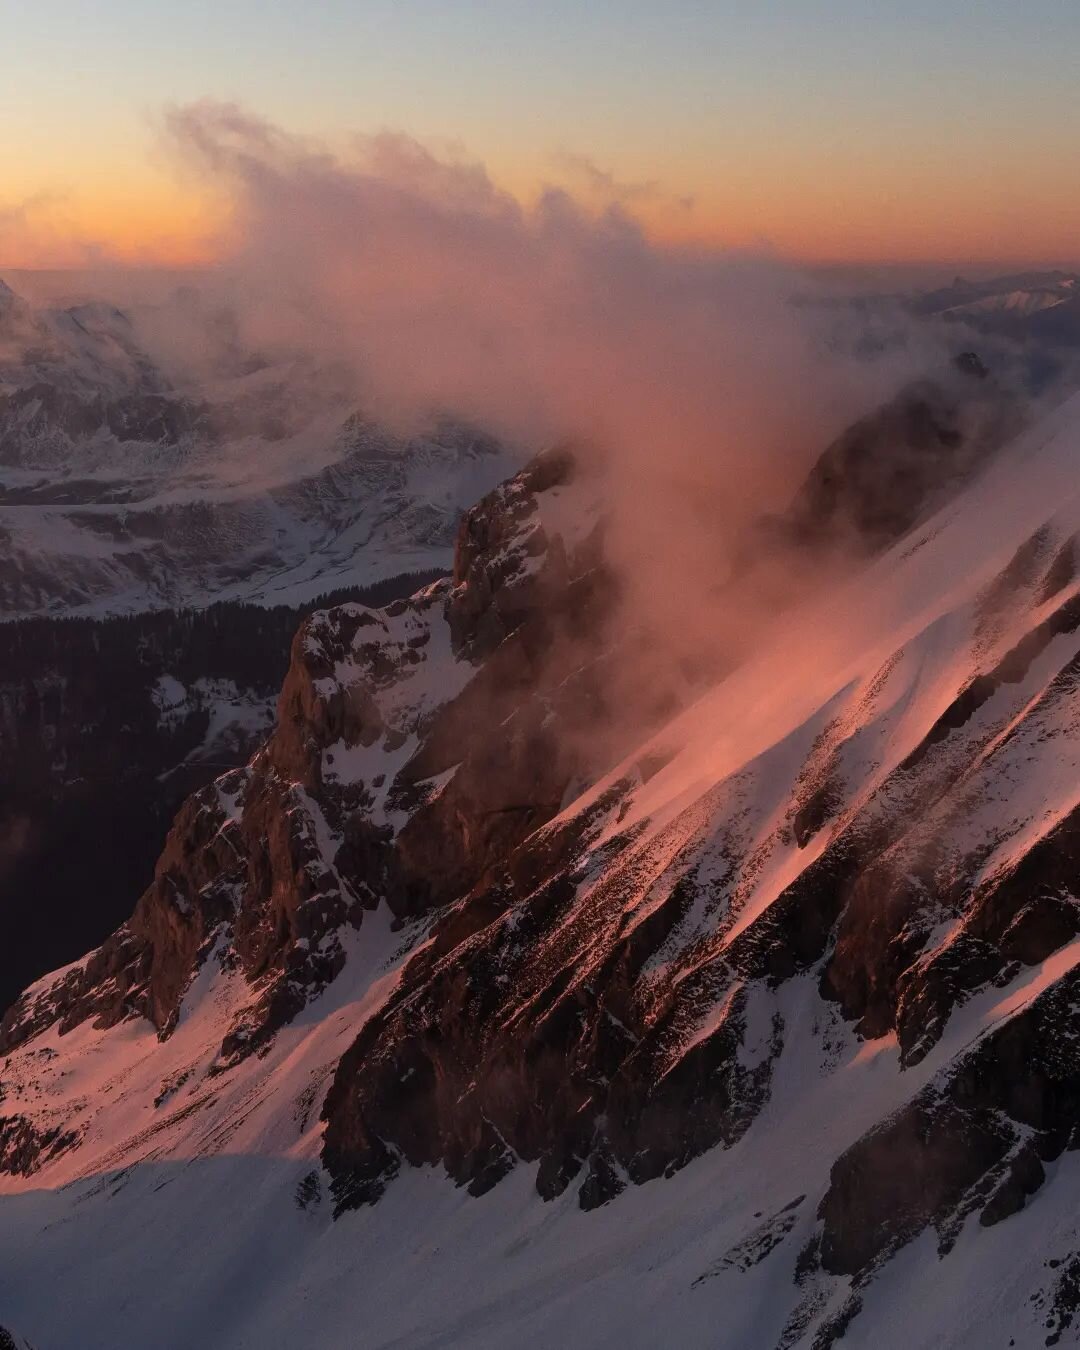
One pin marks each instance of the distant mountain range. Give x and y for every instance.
(1026, 305)
(123, 488)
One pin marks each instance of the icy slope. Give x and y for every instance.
(434, 1030)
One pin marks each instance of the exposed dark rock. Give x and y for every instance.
(1021, 1080)
(94, 764)
(879, 477)
(24, 1147)
(1026, 1174)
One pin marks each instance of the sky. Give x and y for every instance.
(824, 130)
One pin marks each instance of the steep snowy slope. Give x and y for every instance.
(477, 1012)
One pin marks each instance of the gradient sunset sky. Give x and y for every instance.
(826, 129)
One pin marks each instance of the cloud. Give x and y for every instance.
(601, 183)
(443, 291)
(600, 186)
(706, 391)
(37, 231)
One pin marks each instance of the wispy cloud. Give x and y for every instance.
(706, 391)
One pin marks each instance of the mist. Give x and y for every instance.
(702, 392)
(696, 385)
(444, 293)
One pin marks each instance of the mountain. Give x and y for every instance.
(130, 481)
(1020, 294)
(164, 525)
(502, 999)
(106, 725)
(1038, 310)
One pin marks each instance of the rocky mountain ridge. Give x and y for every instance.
(106, 725)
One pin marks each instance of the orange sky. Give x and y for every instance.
(847, 130)
(140, 212)
(147, 217)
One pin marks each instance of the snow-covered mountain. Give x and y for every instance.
(124, 487)
(476, 1012)
(1019, 295)
(1038, 311)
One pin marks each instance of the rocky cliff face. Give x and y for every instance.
(802, 949)
(375, 751)
(106, 726)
